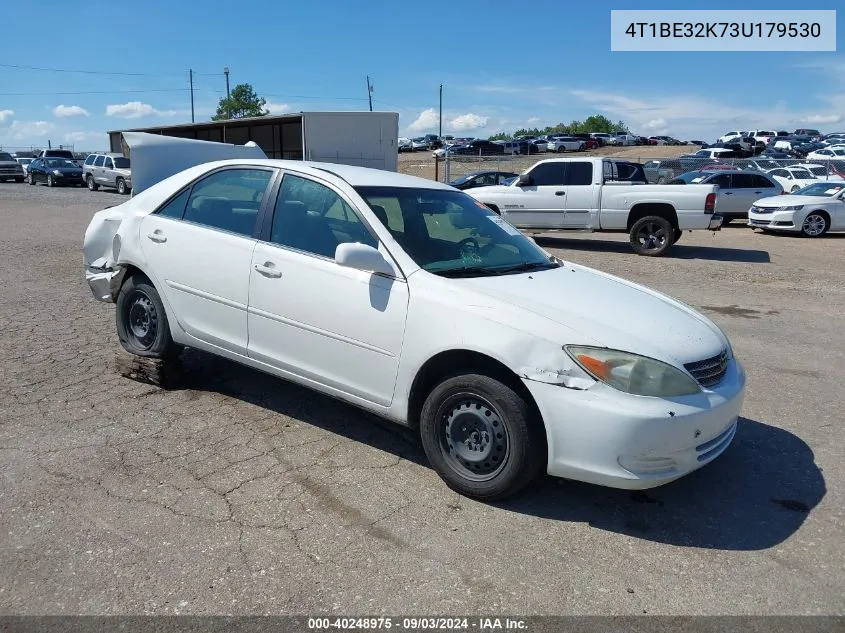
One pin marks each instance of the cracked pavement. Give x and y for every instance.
(237, 493)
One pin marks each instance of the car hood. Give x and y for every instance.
(605, 311)
(788, 201)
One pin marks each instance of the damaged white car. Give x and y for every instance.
(411, 300)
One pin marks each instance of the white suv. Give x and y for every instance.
(107, 170)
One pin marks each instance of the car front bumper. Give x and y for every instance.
(606, 437)
(777, 221)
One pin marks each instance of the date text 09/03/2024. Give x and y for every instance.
(417, 623)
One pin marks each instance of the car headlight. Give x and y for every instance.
(56, 172)
(632, 373)
(795, 207)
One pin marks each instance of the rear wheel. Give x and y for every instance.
(141, 321)
(652, 236)
(121, 186)
(92, 186)
(481, 436)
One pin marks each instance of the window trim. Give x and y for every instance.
(262, 210)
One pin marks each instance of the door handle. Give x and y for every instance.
(729, 193)
(157, 237)
(268, 270)
(758, 192)
(560, 193)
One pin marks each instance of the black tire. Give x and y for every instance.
(92, 186)
(50, 181)
(794, 189)
(561, 149)
(31, 179)
(651, 236)
(815, 224)
(481, 437)
(19, 180)
(677, 236)
(142, 325)
(121, 186)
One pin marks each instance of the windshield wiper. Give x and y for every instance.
(488, 271)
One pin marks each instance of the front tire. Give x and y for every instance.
(142, 325)
(50, 181)
(19, 180)
(481, 437)
(652, 236)
(815, 225)
(92, 186)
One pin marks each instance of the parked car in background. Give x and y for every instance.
(656, 140)
(54, 172)
(565, 144)
(432, 141)
(758, 163)
(556, 383)
(107, 170)
(24, 163)
(10, 169)
(727, 136)
(603, 138)
(589, 141)
(811, 211)
(404, 144)
(792, 178)
(478, 147)
(715, 153)
(662, 171)
(737, 190)
(804, 131)
(483, 179)
(763, 135)
(822, 172)
(59, 153)
(624, 139)
(827, 154)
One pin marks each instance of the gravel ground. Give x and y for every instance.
(239, 493)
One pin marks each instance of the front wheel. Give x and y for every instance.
(142, 325)
(815, 225)
(794, 189)
(50, 181)
(30, 179)
(652, 236)
(19, 180)
(481, 437)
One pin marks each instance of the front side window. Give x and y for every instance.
(228, 200)
(313, 218)
(451, 234)
(547, 174)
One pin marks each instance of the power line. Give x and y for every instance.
(85, 72)
(90, 92)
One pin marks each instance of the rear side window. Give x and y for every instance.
(228, 200)
(579, 173)
(108, 164)
(176, 207)
(761, 181)
(99, 161)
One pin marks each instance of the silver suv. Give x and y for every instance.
(107, 170)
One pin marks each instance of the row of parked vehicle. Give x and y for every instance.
(62, 167)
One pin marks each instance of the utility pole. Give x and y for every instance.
(191, 81)
(370, 92)
(440, 134)
(228, 96)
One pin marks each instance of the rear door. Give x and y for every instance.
(199, 247)
(580, 194)
(97, 170)
(108, 171)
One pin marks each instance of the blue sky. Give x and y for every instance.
(496, 75)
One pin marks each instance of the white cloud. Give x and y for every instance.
(533, 119)
(82, 137)
(276, 108)
(467, 122)
(24, 130)
(427, 120)
(821, 118)
(6, 115)
(136, 110)
(63, 111)
(511, 89)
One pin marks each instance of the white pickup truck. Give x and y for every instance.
(601, 194)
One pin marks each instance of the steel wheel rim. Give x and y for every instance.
(473, 437)
(121, 186)
(814, 224)
(142, 319)
(49, 181)
(651, 236)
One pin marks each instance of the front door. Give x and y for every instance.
(308, 316)
(199, 247)
(542, 204)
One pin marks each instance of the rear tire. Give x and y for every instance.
(142, 325)
(481, 437)
(92, 186)
(121, 186)
(651, 236)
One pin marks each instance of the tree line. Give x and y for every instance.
(594, 123)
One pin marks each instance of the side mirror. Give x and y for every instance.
(362, 257)
(524, 180)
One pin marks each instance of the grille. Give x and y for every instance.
(710, 371)
(762, 222)
(761, 209)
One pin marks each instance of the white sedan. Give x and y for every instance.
(821, 172)
(565, 144)
(409, 299)
(812, 211)
(792, 178)
(828, 153)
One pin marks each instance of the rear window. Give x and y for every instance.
(59, 153)
(121, 163)
(6, 157)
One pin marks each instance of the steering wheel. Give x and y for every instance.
(469, 241)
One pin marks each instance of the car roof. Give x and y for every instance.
(355, 176)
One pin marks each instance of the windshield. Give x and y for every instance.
(450, 233)
(121, 163)
(60, 163)
(821, 189)
(463, 179)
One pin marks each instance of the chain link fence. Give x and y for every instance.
(657, 170)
